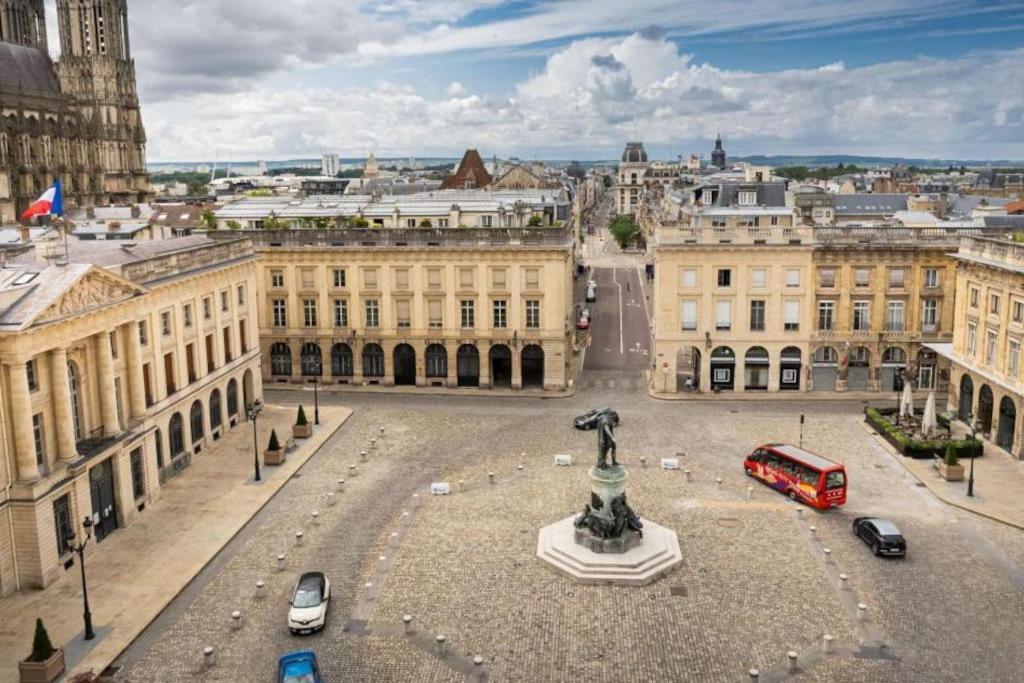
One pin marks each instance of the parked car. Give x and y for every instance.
(590, 419)
(309, 604)
(298, 667)
(584, 322)
(881, 535)
(591, 292)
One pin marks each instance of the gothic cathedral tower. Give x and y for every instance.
(97, 76)
(23, 22)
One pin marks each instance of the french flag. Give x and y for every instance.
(50, 204)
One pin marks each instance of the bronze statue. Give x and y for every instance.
(606, 442)
(622, 518)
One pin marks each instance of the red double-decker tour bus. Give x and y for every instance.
(800, 474)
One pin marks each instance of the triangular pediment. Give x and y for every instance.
(95, 289)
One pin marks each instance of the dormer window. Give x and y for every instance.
(748, 198)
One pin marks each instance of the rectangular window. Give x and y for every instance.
(410, 222)
(531, 279)
(724, 277)
(718, 221)
(498, 280)
(442, 222)
(1013, 358)
(138, 476)
(827, 277)
(861, 316)
(690, 278)
(241, 295)
(862, 277)
(33, 379)
(757, 310)
(975, 296)
(723, 315)
(435, 313)
(747, 198)
(894, 316)
(500, 314)
(897, 278)
(62, 524)
(1018, 311)
(143, 333)
(401, 278)
(277, 278)
(759, 278)
(309, 312)
(792, 320)
(465, 278)
(689, 314)
(993, 304)
(793, 277)
(931, 278)
(990, 347)
(533, 314)
(370, 278)
(280, 313)
(340, 313)
(403, 315)
(186, 314)
(486, 221)
(929, 315)
(37, 435)
(468, 313)
(972, 339)
(306, 278)
(165, 323)
(372, 310)
(434, 278)
(339, 278)
(207, 308)
(826, 315)
(225, 302)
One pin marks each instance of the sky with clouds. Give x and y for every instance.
(577, 78)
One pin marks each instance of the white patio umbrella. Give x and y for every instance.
(907, 401)
(930, 421)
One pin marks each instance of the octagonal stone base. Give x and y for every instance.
(657, 555)
(625, 543)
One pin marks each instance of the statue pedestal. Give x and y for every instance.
(605, 486)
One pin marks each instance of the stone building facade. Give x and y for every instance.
(629, 185)
(446, 308)
(987, 383)
(116, 368)
(77, 120)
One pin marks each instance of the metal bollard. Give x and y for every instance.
(799, 512)
(844, 581)
(792, 656)
(689, 475)
(209, 656)
(280, 563)
(407, 621)
(826, 554)
(718, 481)
(520, 468)
(442, 644)
(382, 431)
(298, 538)
(341, 485)
(331, 499)
(236, 620)
(643, 461)
(862, 611)
(352, 470)
(261, 589)
(373, 444)
(812, 529)
(754, 674)
(316, 517)
(490, 476)
(478, 661)
(826, 644)
(750, 492)
(362, 455)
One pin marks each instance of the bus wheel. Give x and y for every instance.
(749, 473)
(792, 494)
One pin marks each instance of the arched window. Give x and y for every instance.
(195, 419)
(159, 439)
(341, 360)
(373, 361)
(215, 416)
(281, 360)
(826, 354)
(232, 397)
(176, 432)
(436, 358)
(312, 360)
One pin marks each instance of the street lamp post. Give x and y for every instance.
(79, 548)
(252, 411)
(313, 367)
(974, 455)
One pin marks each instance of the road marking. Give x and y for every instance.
(615, 279)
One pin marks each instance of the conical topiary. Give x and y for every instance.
(42, 648)
(951, 456)
(301, 420)
(273, 445)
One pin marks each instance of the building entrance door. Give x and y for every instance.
(104, 506)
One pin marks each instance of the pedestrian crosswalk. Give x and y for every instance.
(627, 384)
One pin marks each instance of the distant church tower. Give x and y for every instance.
(718, 154)
(23, 22)
(97, 75)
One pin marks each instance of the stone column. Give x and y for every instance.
(136, 382)
(62, 410)
(108, 396)
(21, 414)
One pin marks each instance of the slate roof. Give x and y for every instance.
(1009, 222)
(26, 68)
(768, 194)
(470, 168)
(861, 204)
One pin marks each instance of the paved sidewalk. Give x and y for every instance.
(998, 481)
(141, 568)
(873, 397)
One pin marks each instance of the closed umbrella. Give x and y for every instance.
(907, 401)
(930, 421)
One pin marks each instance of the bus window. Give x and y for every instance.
(809, 476)
(835, 480)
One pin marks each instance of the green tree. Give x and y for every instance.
(358, 222)
(272, 222)
(535, 221)
(300, 419)
(624, 231)
(274, 444)
(196, 187)
(425, 223)
(234, 225)
(42, 648)
(951, 458)
(208, 220)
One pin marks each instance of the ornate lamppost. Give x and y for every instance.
(314, 367)
(79, 548)
(252, 411)
(974, 456)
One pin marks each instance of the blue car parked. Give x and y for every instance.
(298, 667)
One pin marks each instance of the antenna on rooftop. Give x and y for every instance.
(213, 173)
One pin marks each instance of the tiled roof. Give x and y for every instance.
(471, 168)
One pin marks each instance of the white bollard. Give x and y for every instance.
(341, 485)
(792, 656)
(394, 538)
(442, 644)
(520, 468)
(298, 538)
(362, 455)
(478, 661)
(750, 492)
(261, 589)
(862, 611)
(799, 512)
(280, 563)
(407, 622)
(490, 477)
(373, 444)
(316, 517)
(812, 529)
(754, 674)
(718, 481)
(826, 554)
(209, 656)
(381, 558)
(643, 461)
(331, 499)
(689, 475)
(844, 581)
(462, 485)
(236, 620)
(352, 470)
(382, 431)
(826, 644)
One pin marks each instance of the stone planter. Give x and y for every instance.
(274, 457)
(43, 672)
(302, 431)
(951, 472)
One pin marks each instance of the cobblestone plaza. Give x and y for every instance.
(753, 586)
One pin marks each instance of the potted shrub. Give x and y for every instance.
(302, 428)
(46, 663)
(950, 468)
(274, 455)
